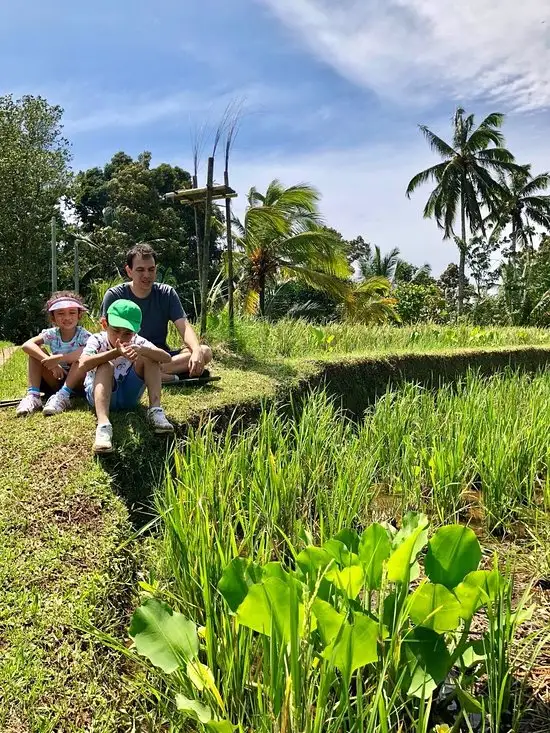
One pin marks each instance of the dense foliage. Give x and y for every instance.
(34, 176)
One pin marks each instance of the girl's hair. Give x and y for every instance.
(61, 295)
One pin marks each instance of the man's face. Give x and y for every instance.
(143, 272)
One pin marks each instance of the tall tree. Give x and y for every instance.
(523, 205)
(281, 237)
(34, 158)
(380, 265)
(464, 180)
(369, 301)
(119, 205)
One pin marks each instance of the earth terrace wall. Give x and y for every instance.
(357, 382)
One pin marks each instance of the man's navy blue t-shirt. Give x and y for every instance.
(158, 308)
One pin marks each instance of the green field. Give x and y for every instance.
(475, 451)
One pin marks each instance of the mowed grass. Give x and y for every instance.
(60, 567)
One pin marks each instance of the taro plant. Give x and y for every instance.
(351, 635)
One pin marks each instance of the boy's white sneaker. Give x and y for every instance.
(103, 439)
(29, 404)
(158, 420)
(58, 402)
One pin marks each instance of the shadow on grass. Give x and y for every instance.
(138, 463)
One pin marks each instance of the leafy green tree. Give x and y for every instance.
(480, 264)
(464, 180)
(449, 285)
(120, 204)
(417, 302)
(280, 239)
(34, 158)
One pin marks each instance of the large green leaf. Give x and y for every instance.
(409, 524)
(435, 607)
(428, 661)
(313, 559)
(476, 590)
(193, 709)
(165, 637)
(349, 580)
(355, 645)
(453, 552)
(329, 621)
(408, 543)
(340, 552)
(374, 550)
(236, 579)
(350, 538)
(267, 607)
(220, 726)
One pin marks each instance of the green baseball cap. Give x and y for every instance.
(124, 314)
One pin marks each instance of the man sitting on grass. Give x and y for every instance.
(119, 365)
(159, 304)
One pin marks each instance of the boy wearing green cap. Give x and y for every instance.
(119, 365)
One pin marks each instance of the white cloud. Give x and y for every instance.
(418, 50)
(107, 112)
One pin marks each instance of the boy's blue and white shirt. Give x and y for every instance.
(99, 343)
(52, 339)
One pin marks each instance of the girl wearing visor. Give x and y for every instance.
(58, 370)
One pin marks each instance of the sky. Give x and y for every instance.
(331, 91)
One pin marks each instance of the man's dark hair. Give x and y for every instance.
(143, 250)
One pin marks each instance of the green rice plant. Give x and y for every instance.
(341, 637)
(295, 338)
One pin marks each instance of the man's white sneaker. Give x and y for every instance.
(29, 404)
(103, 439)
(158, 420)
(58, 402)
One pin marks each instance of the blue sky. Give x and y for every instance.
(332, 92)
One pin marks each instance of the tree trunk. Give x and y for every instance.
(206, 245)
(230, 304)
(462, 259)
(262, 295)
(513, 241)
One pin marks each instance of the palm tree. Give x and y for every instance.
(379, 265)
(282, 237)
(523, 206)
(464, 180)
(369, 301)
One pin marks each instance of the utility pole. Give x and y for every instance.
(229, 236)
(206, 245)
(76, 266)
(54, 255)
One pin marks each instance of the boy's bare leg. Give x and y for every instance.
(103, 388)
(180, 362)
(149, 371)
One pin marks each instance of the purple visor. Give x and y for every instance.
(66, 303)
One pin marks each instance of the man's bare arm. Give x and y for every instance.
(187, 334)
